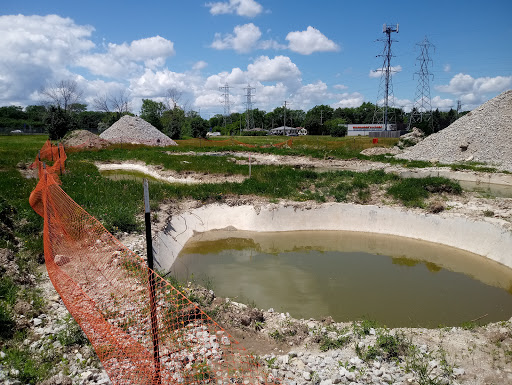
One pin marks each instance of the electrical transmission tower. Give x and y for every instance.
(381, 114)
(422, 108)
(227, 105)
(249, 120)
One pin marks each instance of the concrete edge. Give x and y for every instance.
(479, 237)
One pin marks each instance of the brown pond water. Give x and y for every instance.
(350, 275)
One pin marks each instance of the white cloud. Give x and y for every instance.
(123, 59)
(348, 100)
(244, 39)
(471, 91)
(442, 104)
(378, 72)
(35, 50)
(201, 64)
(447, 68)
(309, 41)
(280, 68)
(248, 8)
(340, 86)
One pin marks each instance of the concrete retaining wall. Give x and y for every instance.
(484, 238)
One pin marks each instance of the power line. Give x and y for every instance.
(226, 103)
(249, 120)
(386, 86)
(422, 108)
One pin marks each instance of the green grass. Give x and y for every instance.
(413, 191)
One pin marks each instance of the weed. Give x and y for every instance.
(488, 213)
(362, 328)
(271, 362)
(71, 334)
(276, 334)
(412, 192)
(327, 343)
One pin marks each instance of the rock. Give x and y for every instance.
(458, 371)
(306, 376)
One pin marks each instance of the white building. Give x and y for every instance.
(365, 129)
(289, 131)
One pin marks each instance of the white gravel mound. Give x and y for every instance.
(132, 129)
(483, 135)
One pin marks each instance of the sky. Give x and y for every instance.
(303, 52)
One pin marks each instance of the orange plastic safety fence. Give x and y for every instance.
(109, 290)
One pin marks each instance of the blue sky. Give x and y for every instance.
(304, 52)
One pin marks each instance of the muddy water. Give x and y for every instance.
(349, 275)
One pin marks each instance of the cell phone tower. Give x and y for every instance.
(382, 113)
(249, 120)
(422, 108)
(226, 103)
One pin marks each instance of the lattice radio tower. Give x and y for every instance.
(249, 120)
(386, 86)
(422, 108)
(226, 103)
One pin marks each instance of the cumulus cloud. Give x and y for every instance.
(378, 72)
(244, 39)
(309, 41)
(340, 86)
(472, 91)
(280, 68)
(36, 49)
(442, 104)
(348, 100)
(121, 59)
(248, 8)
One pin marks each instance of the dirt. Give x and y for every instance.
(84, 139)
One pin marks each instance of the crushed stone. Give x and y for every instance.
(483, 135)
(132, 129)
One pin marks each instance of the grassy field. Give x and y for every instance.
(118, 204)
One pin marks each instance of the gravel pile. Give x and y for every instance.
(132, 129)
(84, 139)
(483, 135)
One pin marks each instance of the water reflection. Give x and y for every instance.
(398, 281)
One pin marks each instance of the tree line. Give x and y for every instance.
(63, 111)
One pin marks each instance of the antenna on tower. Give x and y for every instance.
(227, 105)
(249, 93)
(422, 108)
(386, 87)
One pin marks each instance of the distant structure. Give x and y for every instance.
(249, 120)
(226, 103)
(381, 114)
(422, 108)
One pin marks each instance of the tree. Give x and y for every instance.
(58, 122)
(62, 94)
(118, 103)
(336, 127)
(199, 127)
(172, 122)
(316, 117)
(152, 111)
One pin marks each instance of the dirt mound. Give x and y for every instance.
(84, 139)
(380, 151)
(132, 129)
(483, 135)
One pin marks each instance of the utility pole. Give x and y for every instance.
(422, 108)
(386, 86)
(249, 93)
(459, 107)
(284, 125)
(227, 105)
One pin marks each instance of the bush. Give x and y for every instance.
(338, 131)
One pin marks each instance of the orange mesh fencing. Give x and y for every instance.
(106, 288)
